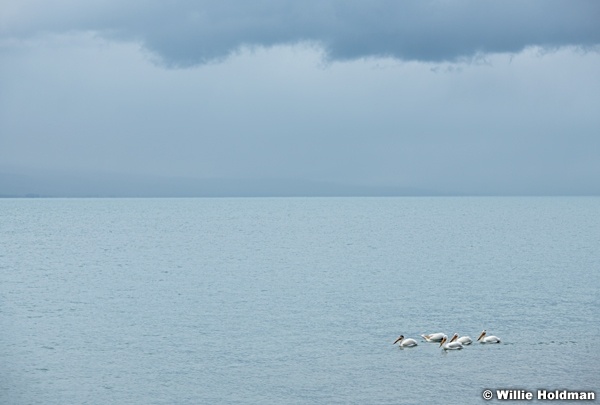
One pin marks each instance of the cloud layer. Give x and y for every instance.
(78, 95)
(185, 33)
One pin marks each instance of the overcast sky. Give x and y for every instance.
(454, 96)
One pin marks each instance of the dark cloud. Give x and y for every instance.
(79, 96)
(184, 33)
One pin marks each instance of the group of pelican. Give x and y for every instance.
(455, 343)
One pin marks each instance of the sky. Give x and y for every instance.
(445, 97)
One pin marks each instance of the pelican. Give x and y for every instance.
(464, 340)
(487, 339)
(405, 342)
(450, 345)
(433, 337)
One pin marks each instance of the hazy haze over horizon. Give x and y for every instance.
(373, 97)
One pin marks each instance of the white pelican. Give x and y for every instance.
(433, 337)
(405, 342)
(450, 345)
(487, 339)
(464, 340)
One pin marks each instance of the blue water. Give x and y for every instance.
(294, 301)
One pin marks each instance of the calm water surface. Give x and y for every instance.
(295, 301)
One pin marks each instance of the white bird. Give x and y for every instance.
(487, 339)
(433, 337)
(450, 345)
(464, 340)
(405, 342)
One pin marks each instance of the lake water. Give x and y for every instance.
(295, 300)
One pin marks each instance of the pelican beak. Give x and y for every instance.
(397, 340)
(442, 342)
(481, 336)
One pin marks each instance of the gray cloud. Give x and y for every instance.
(77, 95)
(185, 33)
